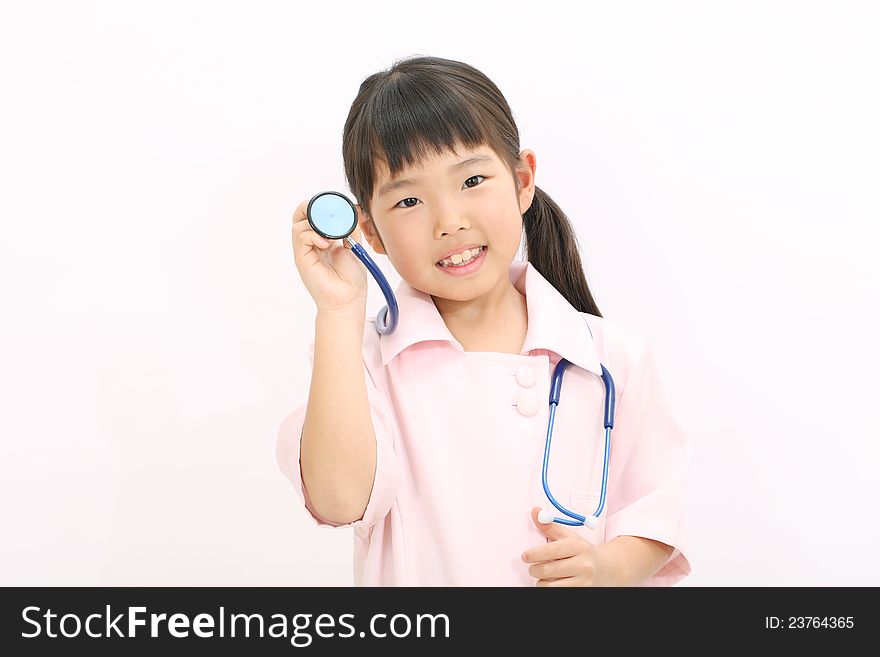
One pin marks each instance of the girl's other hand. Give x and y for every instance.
(567, 559)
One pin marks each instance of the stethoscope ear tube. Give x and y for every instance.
(545, 516)
(609, 397)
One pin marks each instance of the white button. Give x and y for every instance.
(525, 376)
(527, 404)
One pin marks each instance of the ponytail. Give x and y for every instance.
(551, 248)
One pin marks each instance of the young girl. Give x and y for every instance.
(429, 441)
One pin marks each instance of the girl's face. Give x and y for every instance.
(448, 203)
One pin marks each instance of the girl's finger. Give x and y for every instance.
(310, 238)
(557, 569)
(316, 239)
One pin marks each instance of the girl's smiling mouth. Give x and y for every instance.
(463, 264)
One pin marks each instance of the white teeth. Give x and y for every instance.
(462, 258)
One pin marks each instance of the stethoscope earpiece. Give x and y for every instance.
(545, 517)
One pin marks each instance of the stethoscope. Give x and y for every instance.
(334, 217)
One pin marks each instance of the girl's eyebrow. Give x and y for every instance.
(395, 184)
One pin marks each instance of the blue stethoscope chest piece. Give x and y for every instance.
(333, 216)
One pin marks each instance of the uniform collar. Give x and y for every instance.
(554, 324)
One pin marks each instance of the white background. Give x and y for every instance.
(720, 162)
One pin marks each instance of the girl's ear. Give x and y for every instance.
(368, 228)
(526, 174)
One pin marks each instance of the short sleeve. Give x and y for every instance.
(385, 482)
(647, 484)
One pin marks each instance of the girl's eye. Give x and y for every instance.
(405, 204)
(471, 178)
(413, 198)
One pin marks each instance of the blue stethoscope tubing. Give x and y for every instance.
(386, 322)
(384, 325)
(555, 393)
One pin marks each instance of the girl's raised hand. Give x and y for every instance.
(567, 559)
(335, 277)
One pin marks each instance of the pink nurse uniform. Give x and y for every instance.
(460, 443)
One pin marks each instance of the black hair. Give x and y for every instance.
(422, 104)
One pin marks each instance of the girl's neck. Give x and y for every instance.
(496, 322)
